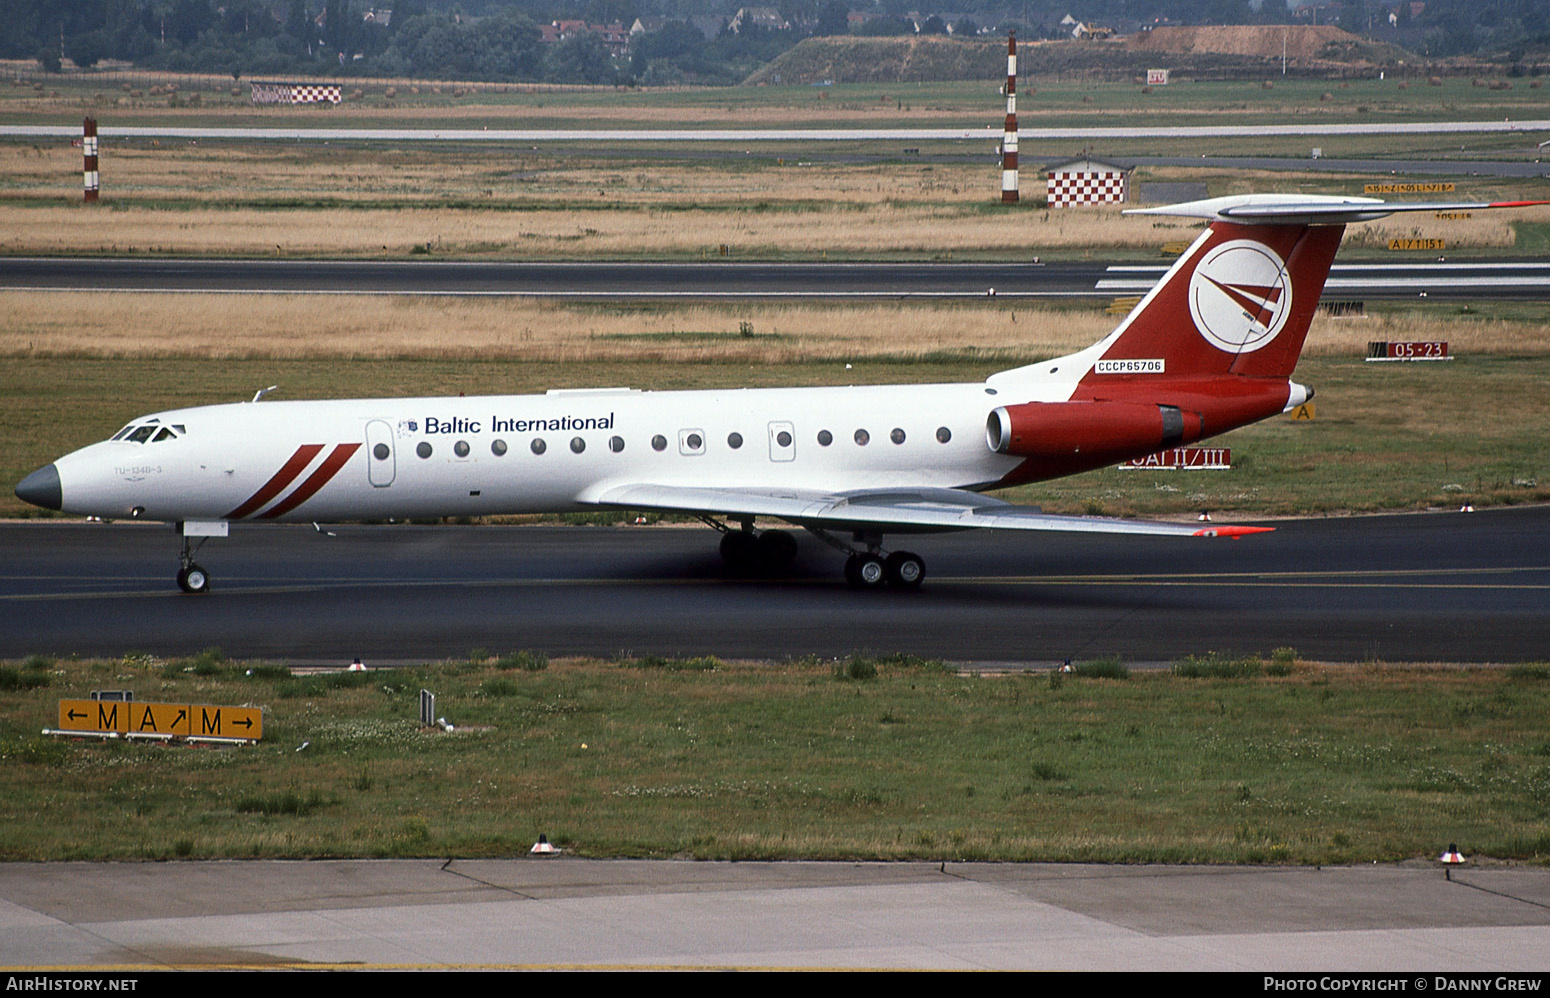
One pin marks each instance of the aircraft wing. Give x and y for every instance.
(888, 510)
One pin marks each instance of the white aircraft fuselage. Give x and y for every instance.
(507, 454)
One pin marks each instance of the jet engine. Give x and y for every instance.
(1088, 431)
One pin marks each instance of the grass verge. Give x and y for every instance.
(891, 758)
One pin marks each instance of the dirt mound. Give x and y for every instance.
(1303, 43)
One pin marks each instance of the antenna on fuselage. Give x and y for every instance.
(263, 391)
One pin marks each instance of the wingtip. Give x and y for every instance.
(1234, 532)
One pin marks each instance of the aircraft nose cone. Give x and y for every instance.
(41, 488)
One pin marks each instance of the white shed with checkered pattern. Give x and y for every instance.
(1087, 181)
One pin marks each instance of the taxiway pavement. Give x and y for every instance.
(564, 912)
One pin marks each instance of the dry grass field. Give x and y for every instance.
(227, 326)
(44, 324)
(886, 230)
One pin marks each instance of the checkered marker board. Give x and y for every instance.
(1085, 188)
(315, 94)
(296, 93)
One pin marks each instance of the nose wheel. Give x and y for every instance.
(191, 577)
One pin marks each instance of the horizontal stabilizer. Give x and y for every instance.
(1311, 209)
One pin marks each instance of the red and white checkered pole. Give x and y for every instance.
(1009, 139)
(89, 149)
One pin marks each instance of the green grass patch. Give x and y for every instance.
(743, 761)
(1102, 668)
(1216, 666)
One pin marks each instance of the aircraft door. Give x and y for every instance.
(381, 454)
(783, 441)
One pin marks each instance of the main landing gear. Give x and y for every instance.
(763, 553)
(766, 552)
(872, 570)
(192, 578)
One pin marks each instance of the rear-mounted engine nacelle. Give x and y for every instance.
(1067, 429)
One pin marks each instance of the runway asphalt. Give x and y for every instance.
(1407, 920)
(1452, 279)
(1452, 587)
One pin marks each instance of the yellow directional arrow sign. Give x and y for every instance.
(94, 715)
(228, 722)
(165, 720)
(160, 719)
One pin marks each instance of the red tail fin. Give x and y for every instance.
(1239, 301)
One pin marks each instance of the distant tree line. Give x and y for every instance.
(501, 40)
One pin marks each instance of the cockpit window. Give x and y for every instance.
(150, 431)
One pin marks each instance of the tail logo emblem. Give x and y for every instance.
(1240, 296)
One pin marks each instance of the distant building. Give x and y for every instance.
(1086, 181)
(759, 17)
(615, 37)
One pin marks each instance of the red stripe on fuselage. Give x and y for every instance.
(319, 478)
(287, 474)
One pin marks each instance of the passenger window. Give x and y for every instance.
(734, 440)
(659, 442)
(498, 448)
(863, 438)
(539, 446)
(943, 434)
(616, 444)
(380, 452)
(460, 448)
(577, 445)
(424, 449)
(825, 438)
(897, 436)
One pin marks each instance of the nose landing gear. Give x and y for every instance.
(191, 577)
